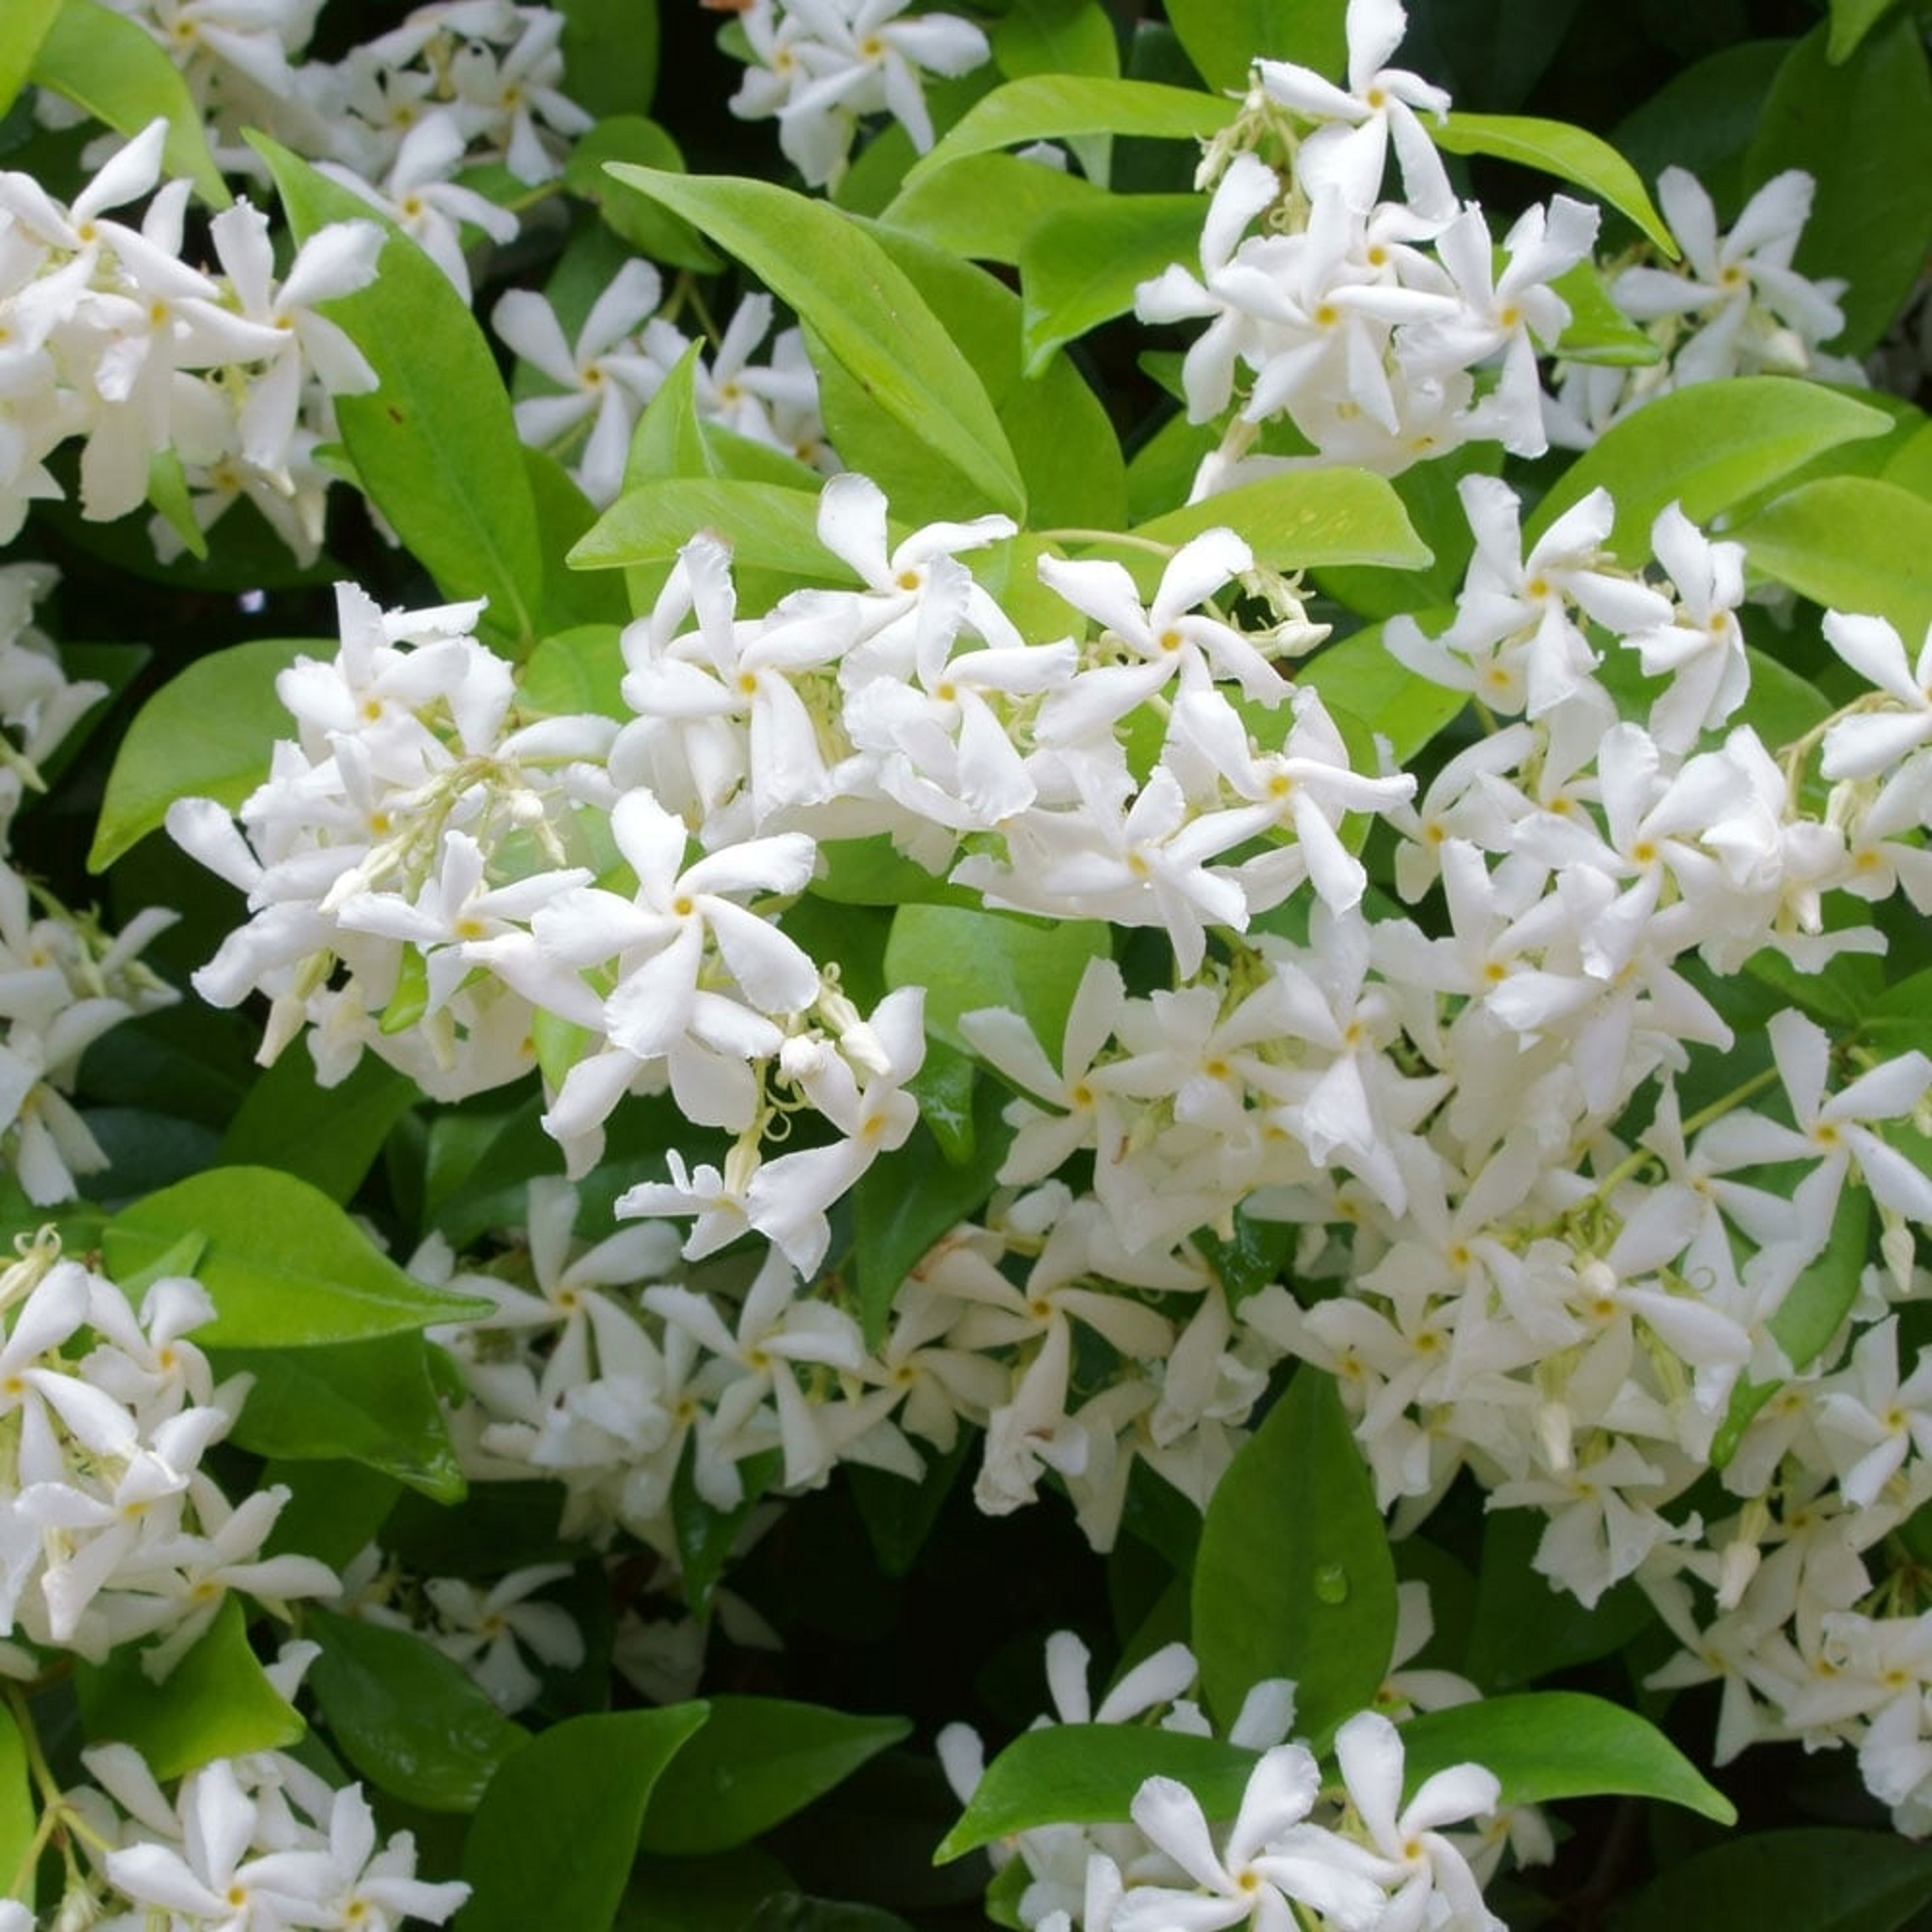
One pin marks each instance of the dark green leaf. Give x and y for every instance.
(1088, 1775)
(794, 1912)
(1820, 1877)
(1864, 130)
(1223, 38)
(333, 1510)
(699, 1894)
(207, 733)
(327, 1136)
(1253, 1258)
(1851, 21)
(860, 306)
(434, 444)
(653, 230)
(1294, 1576)
(706, 1535)
(1546, 1744)
(216, 1702)
(757, 1760)
(554, 1838)
(611, 53)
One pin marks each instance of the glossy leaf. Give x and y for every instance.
(871, 320)
(327, 1136)
(1864, 130)
(1081, 266)
(766, 525)
(410, 1720)
(1555, 147)
(1546, 1744)
(983, 206)
(1294, 1576)
(1706, 448)
(1046, 107)
(114, 69)
(1300, 520)
(22, 32)
(375, 1403)
(553, 1840)
(1088, 1775)
(1223, 36)
(757, 1761)
(1850, 543)
(434, 444)
(285, 1266)
(206, 733)
(216, 1702)
(1822, 1877)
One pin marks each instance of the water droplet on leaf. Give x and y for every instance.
(1332, 1583)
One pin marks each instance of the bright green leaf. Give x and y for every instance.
(207, 733)
(985, 205)
(1294, 1576)
(1223, 38)
(216, 1702)
(1081, 266)
(1555, 147)
(861, 307)
(434, 443)
(757, 1760)
(1392, 700)
(1088, 1775)
(1056, 37)
(410, 1720)
(1864, 130)
(1046, 107)
(1850, 543)
(111, 66)
(578, 670)
(565, 514)
(285, 1266)
(553, 1840)
(1598, 330)
(18, 1819)
(21, 33)
(1545, 1744)
(766, 525)
(1706, 448)
(1821, 1877)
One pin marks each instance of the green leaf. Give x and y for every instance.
(899, 1512)
(611, 53)
(1223, 38)
(1046, 107)
(1294, 1577)
(1254, 1257)
(285, 1266)
(1818, 1876)
(18, 1820)
(412, 1721)
(869, 318)
(375, 1403)
(333, 1510)
(650, 229)
(908, 1199)
(1598, 330)
(434, 444)
(554, 1838)
(699, 1894)
(706, 1535)
(327, 1136)
(565, 514)
(1851, 21)
(794, 1912)
(768, 527)
(25, 27)
(1706, 448)
(1088, 1775)
(1555, 147)
(985, 205)
(1081, 266)
(1521, 1631)
(1850, 543)
(757, 1760)
(216, 1702)
(1703, 119)
(206, 733)
(1056, 37)
(1545, 1744)
(968, 960)
(111, 67)
(1300, 520)
(1385, 694)
(578, 670)
(1864, 130)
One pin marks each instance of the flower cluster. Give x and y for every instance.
(1733, 306)
(1356, 1859)
(113, 1529)
(1357, 330)
(62, 980)
(820, 66)
(109, 337)
(258, 1842)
